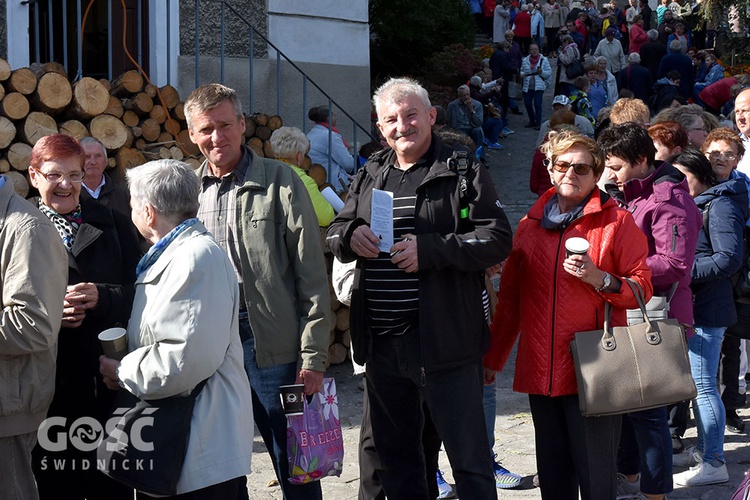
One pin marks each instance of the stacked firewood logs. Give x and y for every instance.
(135, 120)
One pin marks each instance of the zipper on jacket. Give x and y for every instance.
(422, 377)
(554, 306)
(674, 237)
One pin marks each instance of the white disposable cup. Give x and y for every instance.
(576, 246)
(114, 343)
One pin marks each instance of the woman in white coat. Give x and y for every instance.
(501, 21)
(184, 329)
(536, 73)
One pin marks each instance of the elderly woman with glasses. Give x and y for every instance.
(724, 149)
(546, 297)
(657, 195)
(184, 330)
(102, 256)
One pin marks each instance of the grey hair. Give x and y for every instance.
(653, 35)
(462, 88)
(634, 57)
(207, 97)
(676, 45)
(170, 186)
(288, 141)
(88, 141)
(396, 90)
(476, 81)
(597, 60)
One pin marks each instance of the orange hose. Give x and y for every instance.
(130, 57)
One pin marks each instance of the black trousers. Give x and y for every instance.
(397, 388)
(574, 451)
(730, 359)
(370, 486)
(222, 491)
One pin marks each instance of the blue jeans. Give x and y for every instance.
(476, 134)
(492, 128)
(269, 415)
(704, 350)
(533, 102)
(646, 447)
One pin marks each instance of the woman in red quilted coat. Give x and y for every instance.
(545, 298)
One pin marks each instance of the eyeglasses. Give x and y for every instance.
(57, 177)
(564, 166)
(718, 155)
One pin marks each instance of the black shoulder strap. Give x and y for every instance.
(459, 161)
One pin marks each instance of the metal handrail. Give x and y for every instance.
(279, 54)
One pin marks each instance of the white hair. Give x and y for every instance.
(170, 186)
(288, 141)
(397, 90)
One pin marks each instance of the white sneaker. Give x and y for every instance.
(626, 489)
(703, 473)
(689, 457)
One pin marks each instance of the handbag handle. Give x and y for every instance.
(653, 337)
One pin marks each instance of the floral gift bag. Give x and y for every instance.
(314, 442)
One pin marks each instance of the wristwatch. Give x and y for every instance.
(607, 282)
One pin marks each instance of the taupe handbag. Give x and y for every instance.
(631, 368)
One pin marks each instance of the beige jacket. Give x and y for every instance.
(33, 273)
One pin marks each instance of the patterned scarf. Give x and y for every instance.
(66, 224)
(158, 248)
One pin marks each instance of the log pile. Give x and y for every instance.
(135, 120)
(340, 339)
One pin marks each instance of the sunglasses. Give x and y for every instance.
(564, 166)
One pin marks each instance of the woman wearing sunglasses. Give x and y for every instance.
(546, 297)
(657, 195)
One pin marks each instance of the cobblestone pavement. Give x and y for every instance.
(514, 431)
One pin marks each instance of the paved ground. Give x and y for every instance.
(513, 429)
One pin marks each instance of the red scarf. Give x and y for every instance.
(534, 61)
(324, 124)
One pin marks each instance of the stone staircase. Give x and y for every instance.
(481, 39)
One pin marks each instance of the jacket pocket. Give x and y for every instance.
(10, 385)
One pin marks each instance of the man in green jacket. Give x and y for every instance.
(260, 213)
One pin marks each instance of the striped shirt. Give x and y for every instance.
(392, 298)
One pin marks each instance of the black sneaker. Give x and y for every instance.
(735, 424)
(516, 112)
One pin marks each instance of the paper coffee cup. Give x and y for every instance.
(576, 246)
(114, 343)
(293, 399)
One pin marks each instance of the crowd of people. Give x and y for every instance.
(219, 276)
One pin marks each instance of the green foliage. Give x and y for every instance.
(407, 32)
(445, 70)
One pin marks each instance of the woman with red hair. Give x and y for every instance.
(102, 256)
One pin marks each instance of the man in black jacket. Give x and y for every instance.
(416, 312)
(635, 78)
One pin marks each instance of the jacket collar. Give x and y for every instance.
(95, 217)
(661, 183)
(170, 252)
(436, 156)
(598, 201)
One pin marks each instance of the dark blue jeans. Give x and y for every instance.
(533, 102)
(397, 388)
(646, 447)
(269, 415)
